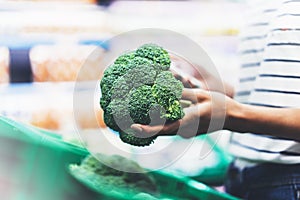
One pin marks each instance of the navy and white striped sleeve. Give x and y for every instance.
(275, 83)
(278, 81)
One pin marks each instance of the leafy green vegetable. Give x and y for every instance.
(106, 179)
(137, 88)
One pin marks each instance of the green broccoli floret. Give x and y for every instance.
(172, 109)
(128, 136)
(109, 120)
(138, 62)
(155, 53)
(166, 81)
(124, 75)
(142, 106)
(110, 77)
(117, 115)
(125, 58)
(142, 72)
(121, 88)
(168, 90)
(140, 102)
(104, 101)
(138, 89)
(111, 74)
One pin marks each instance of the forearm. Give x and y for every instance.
(280, 122)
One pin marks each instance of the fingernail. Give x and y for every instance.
(137, 128)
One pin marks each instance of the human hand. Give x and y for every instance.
(199, 77)
(206, 114)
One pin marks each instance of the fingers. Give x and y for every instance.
(164, 129)
(195, 95)
(186, 81)
(186, 127)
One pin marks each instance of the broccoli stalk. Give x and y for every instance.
(137, 88)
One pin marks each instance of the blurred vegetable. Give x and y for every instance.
(105, 178)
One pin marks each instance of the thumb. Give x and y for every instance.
(163, 129)
(146, 129)
(137, 127)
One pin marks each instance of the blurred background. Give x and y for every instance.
(43, 45)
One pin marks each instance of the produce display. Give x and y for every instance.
(138, 88)
(63, 62)
(104, 178)
(113, 177)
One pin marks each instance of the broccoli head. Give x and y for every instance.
(137, 88)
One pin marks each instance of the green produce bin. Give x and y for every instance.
(185, 188)
(35, 166)
(169, 187)
(214, 175)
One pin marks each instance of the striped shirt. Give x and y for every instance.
(270, 76)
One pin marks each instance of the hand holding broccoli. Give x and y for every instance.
(207, 107)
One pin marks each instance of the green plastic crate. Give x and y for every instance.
(215, 175)
(185, 188)
(169, 187)
(35, 165)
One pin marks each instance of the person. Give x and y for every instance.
(264, 115)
